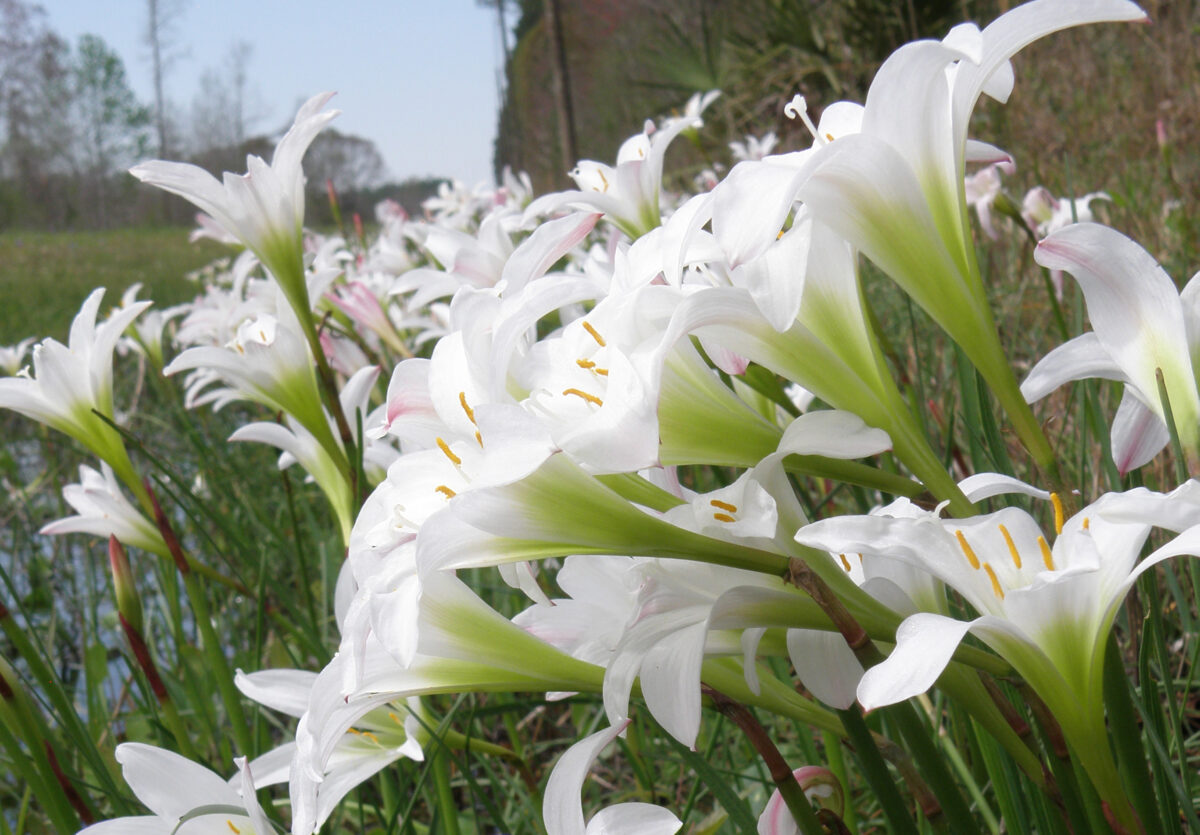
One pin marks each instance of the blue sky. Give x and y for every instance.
(417, 78)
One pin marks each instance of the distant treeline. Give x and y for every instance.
(71, 125)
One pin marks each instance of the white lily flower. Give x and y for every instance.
(184, 797)
(70, 382)
(104, 511)
(12, 357)
(1046, 608)
(562, 808)
(1140, 324)
(628, 194)
(268, 361)
(263, 208)
(378, 738)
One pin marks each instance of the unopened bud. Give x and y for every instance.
(822, 787)
(129, 605)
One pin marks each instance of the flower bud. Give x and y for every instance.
(129, 605)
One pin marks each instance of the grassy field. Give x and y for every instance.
(45, 276)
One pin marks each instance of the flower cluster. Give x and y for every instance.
(589, 391)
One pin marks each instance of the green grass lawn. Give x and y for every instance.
(45, 276)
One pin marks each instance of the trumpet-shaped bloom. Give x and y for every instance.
(71, 382)
(263, 208)
(1140, 324)
(104, 511)
(1046, 608)
(184, 797)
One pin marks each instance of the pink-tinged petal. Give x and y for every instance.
(925, 643)
(541, 250)
(1078, 359)
(825, 665)
(1137, 434)
(171, 785)
(1134, 308)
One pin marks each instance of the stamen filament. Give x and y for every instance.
(595, 334)
(591, 398)
(1047, 556)
(732, 508)
(996, 589)
(445, 448)
(462, 399)
(962, 542)
(1012, 547)
(1058, 513)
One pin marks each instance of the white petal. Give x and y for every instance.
(171, 785)
(825, 665)
(1137, 433)
(925, 643)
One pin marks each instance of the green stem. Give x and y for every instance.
(876, 773)
(211, 644)
(1128, 739)
(447, 808)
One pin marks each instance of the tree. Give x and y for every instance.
(159, 37)
(35, 135)
(223, 110)
(113, 125)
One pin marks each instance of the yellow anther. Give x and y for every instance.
(1012, 547)
(1086, 523)
(591, 398)
(462, 400)
(392, 715)
(845, 562)
(1047, 557)
(354, 731)
(723, 517)
(445, 447)
(445, 491)
(478, 438)
(962, 543)
(829, 136)
(732, 508)
(371, 736)
(996, 590)
(1058, 513)
(604, 180)
(587, 326)
(582, 363)
(232, 828)
(779, 236)
(603, 372)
